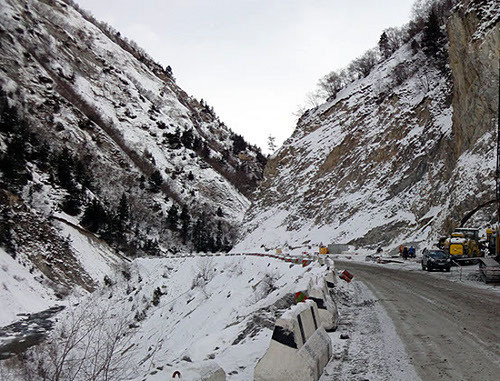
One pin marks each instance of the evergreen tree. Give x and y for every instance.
(95, 217)
(384, 46)
(81, 175)
(9, 119)
(155, 181)
(187, 139)
(205, 150)
(185, 223)
(174, 140)
(6, 225)
(13, 162)
(152, 247)
(123, 214)
(173, 218)
(434, 41)
(65, 166)
(220, 237)
(156, 296)
(72, 204)
(239, 144)
(197, 144)
(210, 244)
(200, 234)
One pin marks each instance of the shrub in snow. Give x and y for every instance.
(156, 296)
(89, 344)
(266, 286)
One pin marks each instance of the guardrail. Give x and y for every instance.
(301, 260)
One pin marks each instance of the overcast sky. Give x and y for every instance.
(254, 61)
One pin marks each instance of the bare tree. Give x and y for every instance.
(333, 82)
(364, 64)
(205, 273)
(423, 83)
(313, 99)
(271, 143)
(92, 344)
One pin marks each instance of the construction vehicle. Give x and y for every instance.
(463, 244)
(489, 267)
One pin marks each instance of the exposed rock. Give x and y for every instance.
(389, 160)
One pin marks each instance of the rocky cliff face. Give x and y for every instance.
(474, 35)
(398, 156)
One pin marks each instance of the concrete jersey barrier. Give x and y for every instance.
(331, 276)
(327, 308)
(299, 349)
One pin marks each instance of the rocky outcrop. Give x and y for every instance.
(391, 160)
(474, 34)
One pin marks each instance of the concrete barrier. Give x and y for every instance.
(322, 260)
(327, 308)
(299, 349)
(331, 275)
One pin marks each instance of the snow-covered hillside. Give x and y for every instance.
(108, 113)
(173, 312)
(393, 157)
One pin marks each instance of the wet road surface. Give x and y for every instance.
(451, 331)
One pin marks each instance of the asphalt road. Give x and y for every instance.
(451, 331)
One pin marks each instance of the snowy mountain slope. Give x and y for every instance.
(127, 125)
(47, 260)
(176, 311)
(393, 157)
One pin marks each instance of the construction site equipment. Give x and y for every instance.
(337, 248)
(462, 244)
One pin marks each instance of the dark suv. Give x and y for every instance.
(435, 259)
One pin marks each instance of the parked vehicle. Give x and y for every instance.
(435, 259)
